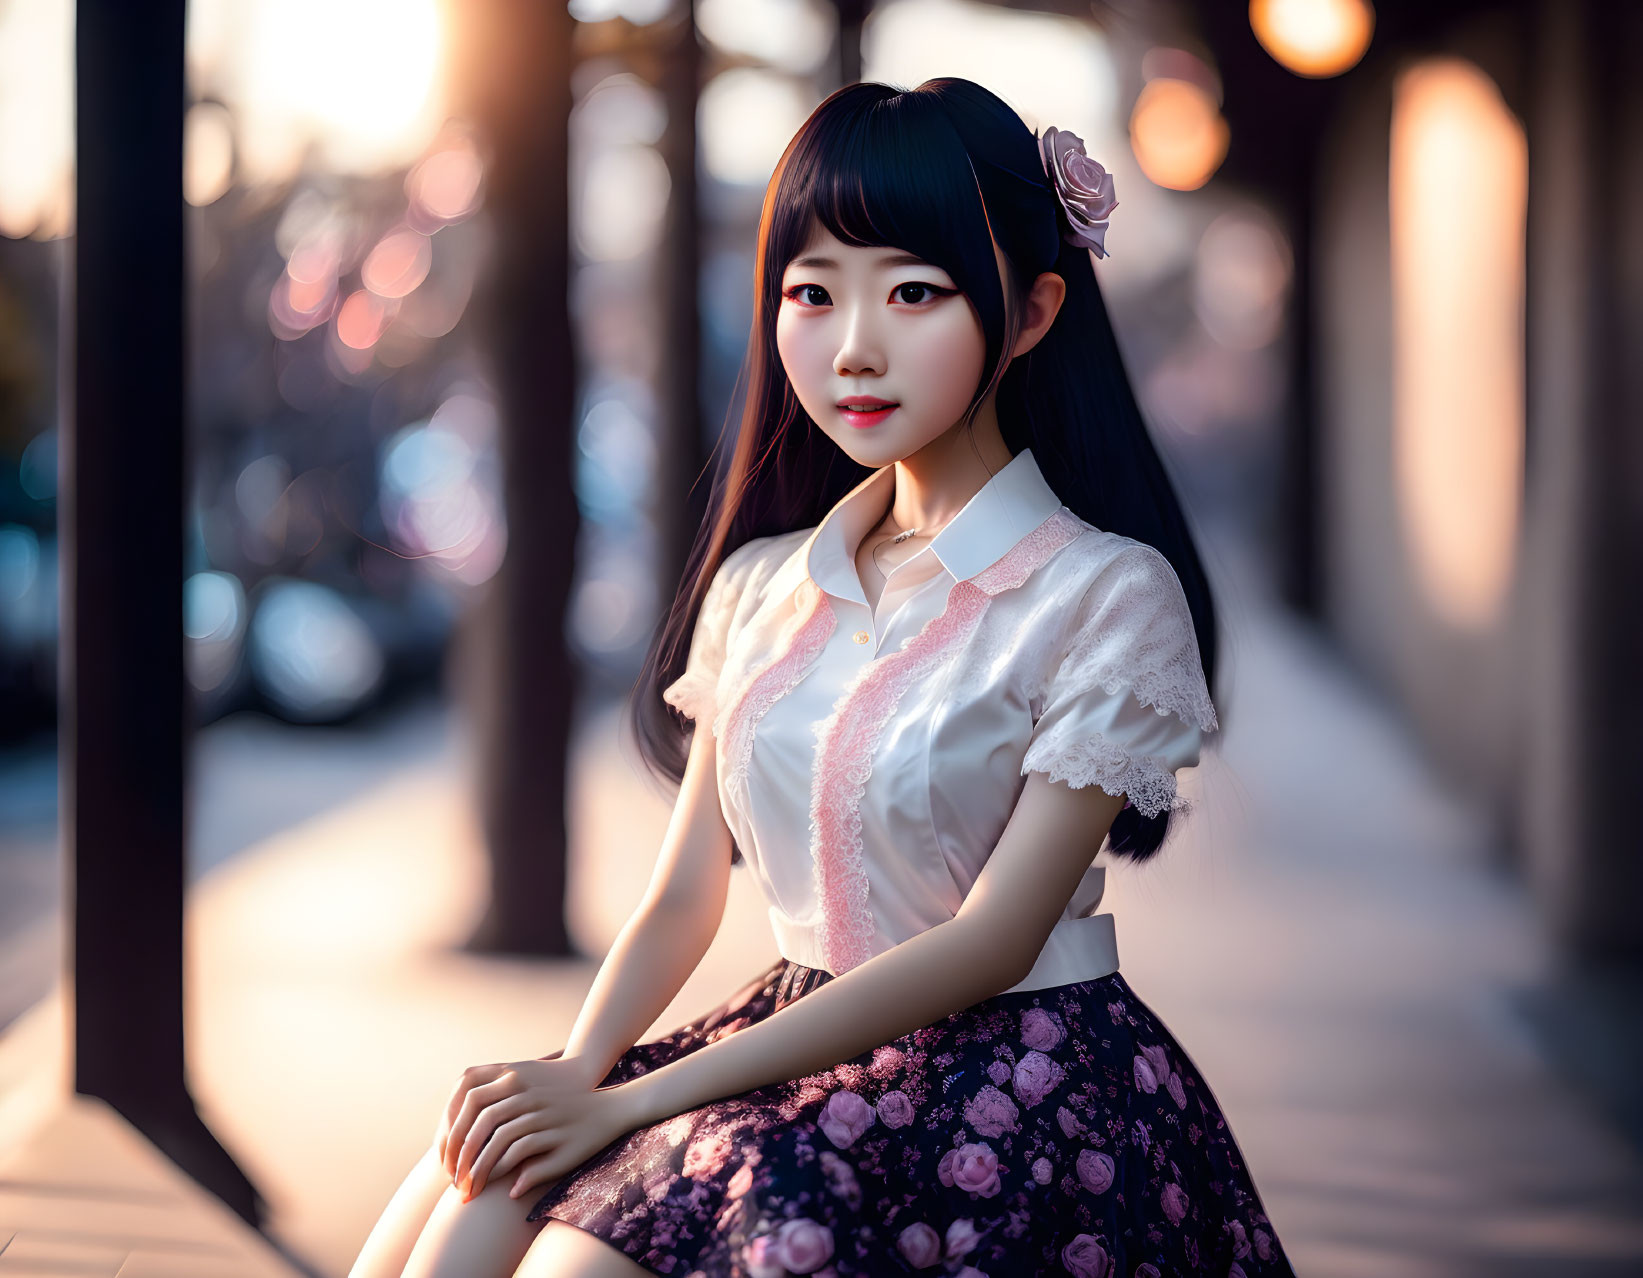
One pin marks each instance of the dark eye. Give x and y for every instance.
(800, 293)
(923, 292)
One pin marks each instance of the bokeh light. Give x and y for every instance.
(1242, 277)
(745, 119)
(1052, 69)
(1177, 132)
(359, 81)
(214, 620)
(444, 185)
(37, 118)
(1314, 38)
(1459, 198)
(208, 153)
(623, 203)
(311, 652)
(791, 35)
(398, 263)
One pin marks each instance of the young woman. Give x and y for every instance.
(944, 637)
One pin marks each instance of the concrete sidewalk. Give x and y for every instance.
(1324, 934)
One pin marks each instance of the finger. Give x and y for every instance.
(489, 1129)
(472, 1077)
(536, 1173)
(473, 1105)
(503, 1155)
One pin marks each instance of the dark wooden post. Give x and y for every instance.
(124, 709)
(513, 69)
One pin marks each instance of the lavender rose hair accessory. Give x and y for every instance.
(1082, 187)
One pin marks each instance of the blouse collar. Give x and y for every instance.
(1007, 507)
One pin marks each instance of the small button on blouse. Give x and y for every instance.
(869, 761)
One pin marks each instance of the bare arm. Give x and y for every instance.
(671, 928)
(1052, 836)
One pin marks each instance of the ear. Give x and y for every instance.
(1043, 303)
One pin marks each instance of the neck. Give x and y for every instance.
(933, 484)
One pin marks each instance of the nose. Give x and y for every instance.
(860, 349)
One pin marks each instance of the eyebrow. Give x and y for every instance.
(827, 263)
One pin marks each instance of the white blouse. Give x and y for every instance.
(869, 758)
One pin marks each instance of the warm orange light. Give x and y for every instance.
(1459, 193)
(1314, 38)
(1177, 133)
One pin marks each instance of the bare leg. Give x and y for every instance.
(562, 1250)
(485, 1237)
(389, 1245)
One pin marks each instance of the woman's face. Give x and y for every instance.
(870, 323)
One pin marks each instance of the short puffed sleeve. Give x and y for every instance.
(1125, 702)
(695, 693)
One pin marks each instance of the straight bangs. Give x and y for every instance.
(882, 168)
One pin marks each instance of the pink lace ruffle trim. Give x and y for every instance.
(847, 739)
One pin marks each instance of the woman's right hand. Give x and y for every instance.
(574, 1068)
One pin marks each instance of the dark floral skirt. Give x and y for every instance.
(1057, 1131)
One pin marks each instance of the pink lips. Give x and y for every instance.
(881, 409)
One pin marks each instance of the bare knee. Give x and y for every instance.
(396, 1231)
(485, 1237)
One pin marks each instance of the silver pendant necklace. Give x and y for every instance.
(896, 540)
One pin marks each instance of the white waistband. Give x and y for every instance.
(1077, 950)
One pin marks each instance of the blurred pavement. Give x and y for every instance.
(1326, 934)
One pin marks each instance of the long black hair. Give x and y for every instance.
(941, 171)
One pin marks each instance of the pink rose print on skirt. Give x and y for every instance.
(1060, 1131)
(961, 1238)
(919, 1245)
(895, 1109)
(1042, 1030)
(991, 1112)
(1036, 1076)
(706, 1155)
(845, 1117)
(1085, 1257)
(972, 1167)
(1095, 1170)
(1173, 1199)
(841, 1178)
(887, 1062)
(799, 1246)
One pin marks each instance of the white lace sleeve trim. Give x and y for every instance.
(1141, 639)
(1081, 760)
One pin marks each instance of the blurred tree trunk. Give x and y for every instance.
(678, 500)
(511, 71)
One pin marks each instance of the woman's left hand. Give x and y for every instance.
(534, 1117)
